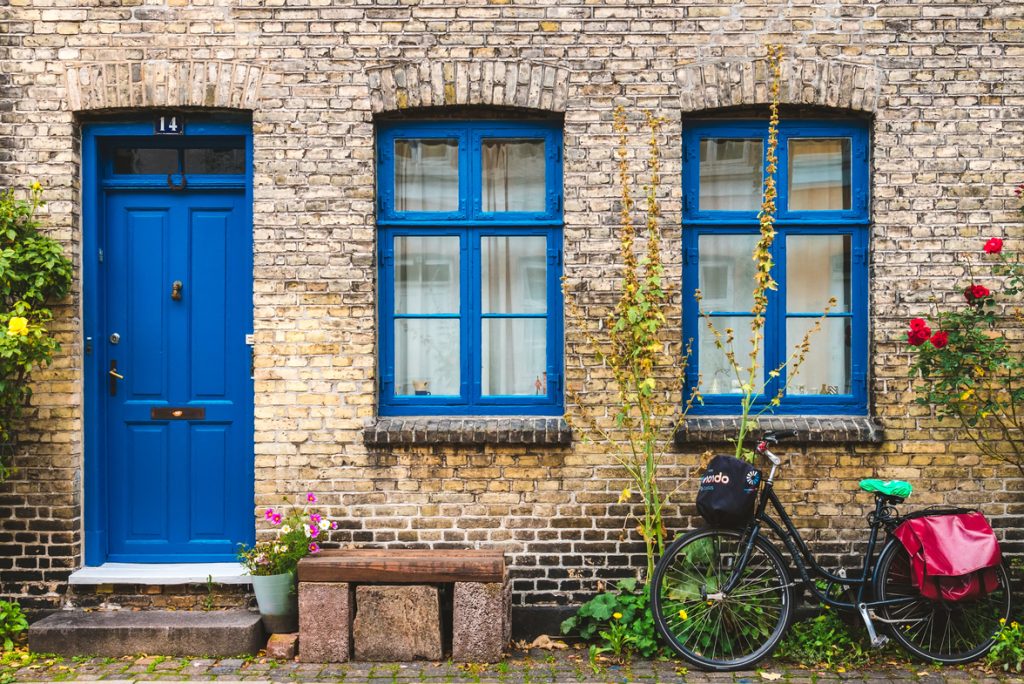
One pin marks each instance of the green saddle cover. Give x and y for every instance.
(897, 488)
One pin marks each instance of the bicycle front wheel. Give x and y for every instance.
(714, 632)
(949, 632)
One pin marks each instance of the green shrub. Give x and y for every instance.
(824, 641)
(1008, 651)
(12, 623)
(33, 272)
(620, 619)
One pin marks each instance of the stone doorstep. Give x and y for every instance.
(160, 574)
(222, 633)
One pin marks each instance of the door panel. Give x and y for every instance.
(180, 489)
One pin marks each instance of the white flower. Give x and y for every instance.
(286, 529)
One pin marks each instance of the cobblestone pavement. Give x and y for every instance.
(535, 667)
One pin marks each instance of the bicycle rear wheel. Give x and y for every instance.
(721, 633)
(949, 632)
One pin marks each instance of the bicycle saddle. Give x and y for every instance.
(896, 488)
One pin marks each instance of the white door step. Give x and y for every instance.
(161, 574)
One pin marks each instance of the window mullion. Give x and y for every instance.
(470, 316)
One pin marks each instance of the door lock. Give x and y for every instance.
(176, 290)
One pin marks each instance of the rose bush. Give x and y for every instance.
(972, 369)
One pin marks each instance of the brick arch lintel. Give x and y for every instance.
(498, 83)
(163, 83)
(823, 82)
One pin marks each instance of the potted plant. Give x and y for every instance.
(272, 562)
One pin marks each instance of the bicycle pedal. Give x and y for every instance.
(880, 641)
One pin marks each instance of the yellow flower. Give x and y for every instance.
(37, 186)
(683, 615)
(967, 395)
(617, 616)
(625, 495)
(1014, 624)
(1002, 621)
(17, 326)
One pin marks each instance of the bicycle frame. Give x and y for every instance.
(883, 516)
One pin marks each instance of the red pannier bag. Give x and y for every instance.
(953, 556)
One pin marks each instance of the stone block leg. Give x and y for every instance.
(397, 623)
(479, 622)
(325, 610)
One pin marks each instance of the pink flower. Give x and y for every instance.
(315, 517)
(313, 530)
(993, 246)
(276, 519)
(334, 524)
(311, 497)
(268, 514)
(314, 547)
(940, 339)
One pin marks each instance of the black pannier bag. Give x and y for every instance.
(728, 492)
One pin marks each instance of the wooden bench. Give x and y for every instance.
(384, 604)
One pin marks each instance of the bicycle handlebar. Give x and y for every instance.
(773, 436)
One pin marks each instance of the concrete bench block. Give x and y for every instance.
(397, 623)
(325, 610)
(480, 621)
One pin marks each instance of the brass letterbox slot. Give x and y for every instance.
(177, 413)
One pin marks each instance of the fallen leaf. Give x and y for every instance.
(548, 644)
(771, 676)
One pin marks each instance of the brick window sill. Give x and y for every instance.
(542, 431)
(699, 430)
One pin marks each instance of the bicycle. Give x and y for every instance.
(723, 599)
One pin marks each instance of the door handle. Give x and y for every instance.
(114, 377)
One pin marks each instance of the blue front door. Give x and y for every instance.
(176, 373)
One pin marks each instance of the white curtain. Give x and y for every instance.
(819, 174)
(514, 350)
(513, 175)
(426, 175)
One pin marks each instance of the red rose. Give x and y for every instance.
(940, 339)
(919, 332)
(994, 246)
(976, 292)
(916, 339)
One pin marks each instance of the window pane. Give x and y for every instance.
(819, 174)
(204, 160)
(730, 174)
(717, 374)
(727, 272)
(513, 175)
(427, 356)
(427, 274)
(145, 160)
(826, 368)
(817, 268)
(426, 175)
(514, 356)
(514, 274)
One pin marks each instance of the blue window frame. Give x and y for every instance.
(820, 251)
(470, 240)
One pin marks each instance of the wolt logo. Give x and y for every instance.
(717, 478)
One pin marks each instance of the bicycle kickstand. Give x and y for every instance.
(877, 640)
